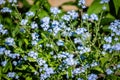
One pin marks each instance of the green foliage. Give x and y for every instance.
(60, 47)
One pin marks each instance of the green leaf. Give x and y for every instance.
(42, 13)
(31, 59)
(95, 7)
(70, 72)
(26, 41)
(7, 67)
(28, 78)
(106, 21)
(4, 76)
(99, 69)
(23, 67)
(0, 73)
(117, 5)
(32, 69)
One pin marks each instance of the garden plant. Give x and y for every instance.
(41, 42)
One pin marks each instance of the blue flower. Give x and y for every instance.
(6, 9)
(2, 50)
(34, 25)
(23, 22)
(108, 39)
(73, 14)
(11, 74)
(3, 63)
(82, 3)
(30, 13)
(12, 1)
(92, 77)
(9, 41)
(94, 17)
(104, 1)
(45, 20)
(2, 2)
(66, 17)
(85, 16)
(54, 10)
(109, 71)
(60, 43)
(33, 54)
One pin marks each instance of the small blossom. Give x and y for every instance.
(94, 17)
(80, 30)
(12, 1)
(14, 63)
(34, 25)
(34, 42)
(108, 39)
(118, 66)
(11, 74)
(55, 23)
(104, 7)
(30, 13)
(2, 2)
(116, 47)
(23, 22)
(82, 3)
(109, 71)
(106, 46)
(60, 43)
(92, 77)
(54, 10)
(70, 61)
(66, 17)
(9, 41)
(33, 54)
(85, 16)
(73, 14)
(80, 79)
(3, 63)
(6, 9)
(35, 36)
(40, 61)
(2, 50)
(104, 1)
(45, 20)
(16, 77)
